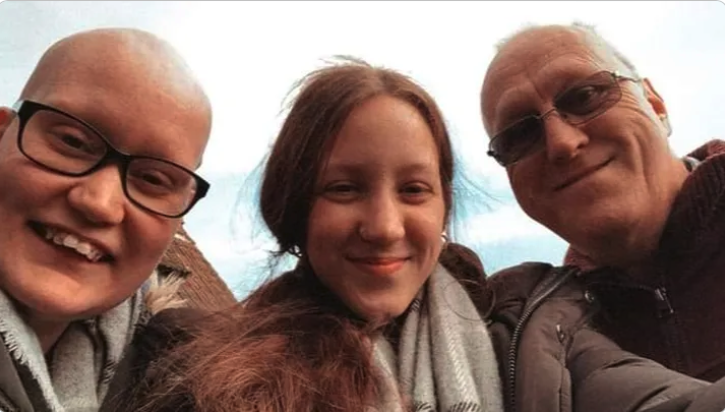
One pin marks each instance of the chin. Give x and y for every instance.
(60, 305)
(382, 315)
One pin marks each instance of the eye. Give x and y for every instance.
(341, 188)
(157, 178)
(152, 180)
(71, 141)
(414, 189)
(521, 131)
(416, 192)
(584, 99)
(341, 191)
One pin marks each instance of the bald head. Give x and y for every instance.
(129, 53)
(126, 81)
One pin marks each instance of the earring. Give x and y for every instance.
(295, 251)
(444, 237)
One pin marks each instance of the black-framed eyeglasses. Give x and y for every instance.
(578, 104)
(67, 145)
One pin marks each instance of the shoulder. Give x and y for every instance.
(463, 262)
(709, 150)
(163, 332)
(518, 282)
(168, 328)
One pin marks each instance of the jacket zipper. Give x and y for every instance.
(529, 309)
(664, 308)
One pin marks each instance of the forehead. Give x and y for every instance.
(139, 112)
(535, 65)
(384, 131)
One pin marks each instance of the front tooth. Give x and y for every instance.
(84, 248)
(93, 256)
(70, 241)
(58, 239)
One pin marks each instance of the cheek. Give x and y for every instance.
(525, 181)
(424, 231)
(25, 187)
(327, 229)
(329, 224)
(146, 237)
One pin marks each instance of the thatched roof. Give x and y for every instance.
(203, 287)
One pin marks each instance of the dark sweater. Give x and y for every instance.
(675, 313)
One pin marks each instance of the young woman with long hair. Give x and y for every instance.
(381, 312)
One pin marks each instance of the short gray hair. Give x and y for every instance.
(580, 26)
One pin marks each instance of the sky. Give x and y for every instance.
(247, 56)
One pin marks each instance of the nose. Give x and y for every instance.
(564, 141)
(99, 197)
(383, 220)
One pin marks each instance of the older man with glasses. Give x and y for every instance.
(96, 170)
(583, 138)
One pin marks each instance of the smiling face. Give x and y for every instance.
(374, 232)
(611, 179)
(140, 113)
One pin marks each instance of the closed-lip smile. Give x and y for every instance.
(581, 174)
(379, 265)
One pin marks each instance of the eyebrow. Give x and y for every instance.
(513, 105)
(514, 100)
(360, 168)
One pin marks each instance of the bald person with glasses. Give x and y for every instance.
(97, 161)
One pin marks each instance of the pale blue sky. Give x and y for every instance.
(247, 56)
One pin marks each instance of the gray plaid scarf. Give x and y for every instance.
(445, 359)
(83, 360)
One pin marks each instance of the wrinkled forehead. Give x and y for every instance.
(535, 63)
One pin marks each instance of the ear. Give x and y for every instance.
(657, 103)
(654, 98)
(6, 117)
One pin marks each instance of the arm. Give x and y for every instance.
(707, 399)
(606, 378)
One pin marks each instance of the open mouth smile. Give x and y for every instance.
(84, 247)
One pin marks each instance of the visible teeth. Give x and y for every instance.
(72, 242)
(94, 256)
(84, 248)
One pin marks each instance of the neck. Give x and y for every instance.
(633, 246)
(47, 331)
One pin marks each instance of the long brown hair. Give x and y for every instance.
(326, 98)
(292, 345)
